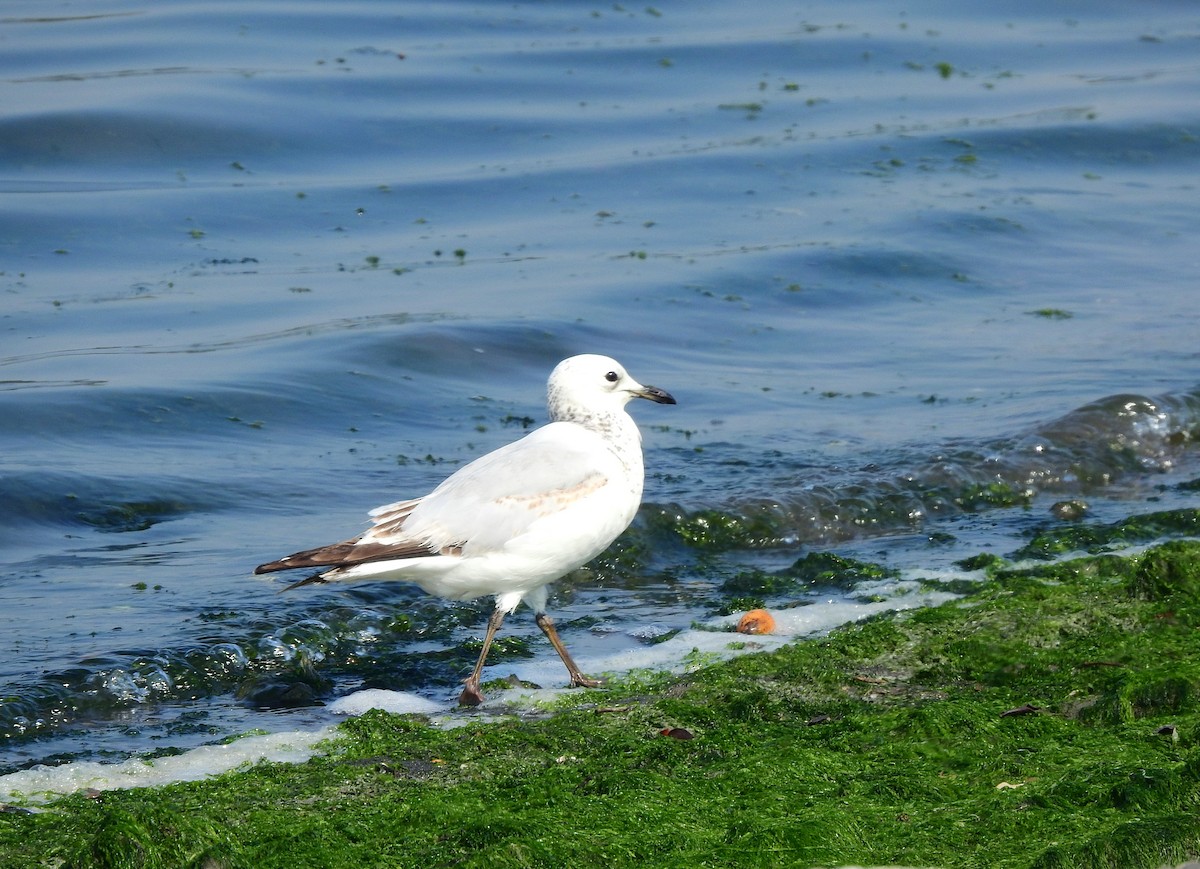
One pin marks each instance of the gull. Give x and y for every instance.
(512, 521)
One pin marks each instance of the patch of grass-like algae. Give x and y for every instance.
(1049, 719)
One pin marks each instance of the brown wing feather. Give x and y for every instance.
(347, 553)
(391, 516)
(359, 550)
(318, 557)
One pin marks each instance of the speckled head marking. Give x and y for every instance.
(593, 390)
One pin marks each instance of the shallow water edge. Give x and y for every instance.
(1050, 718)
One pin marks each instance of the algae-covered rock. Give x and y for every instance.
(814, 570)
(1054, 542)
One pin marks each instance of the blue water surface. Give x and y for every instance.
(266, 265)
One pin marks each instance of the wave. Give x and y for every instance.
(1122, 441)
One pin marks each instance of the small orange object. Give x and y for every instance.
(756, 622)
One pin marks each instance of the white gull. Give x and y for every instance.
(514, 520)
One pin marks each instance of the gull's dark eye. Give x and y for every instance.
(612, 377)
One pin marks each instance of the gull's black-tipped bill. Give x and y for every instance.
(658, 396)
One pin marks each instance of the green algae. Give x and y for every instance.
(845, 512)
(995, 494)
(717, 530)
(815, 569)
(1084, 537)
(1050, 719)
(130, 516)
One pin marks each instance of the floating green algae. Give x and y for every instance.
(1099, 537)
(129, 516)
(718, 530)
(815, 569)
(1051, 719)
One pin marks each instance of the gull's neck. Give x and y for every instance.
(609, 422)
(615, 425)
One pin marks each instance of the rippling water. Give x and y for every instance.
(913, 277)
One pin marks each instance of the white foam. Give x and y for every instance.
(694, 648)
(826, 615)
(399, 702)
(42, 783)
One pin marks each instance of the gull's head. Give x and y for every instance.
(586, 386)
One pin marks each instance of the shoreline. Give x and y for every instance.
(1049, 718)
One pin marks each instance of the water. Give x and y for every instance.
(266, 265)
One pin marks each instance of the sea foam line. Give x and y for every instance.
(42, 783)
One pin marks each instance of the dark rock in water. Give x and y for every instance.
(279, 693)
(1069, 511)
